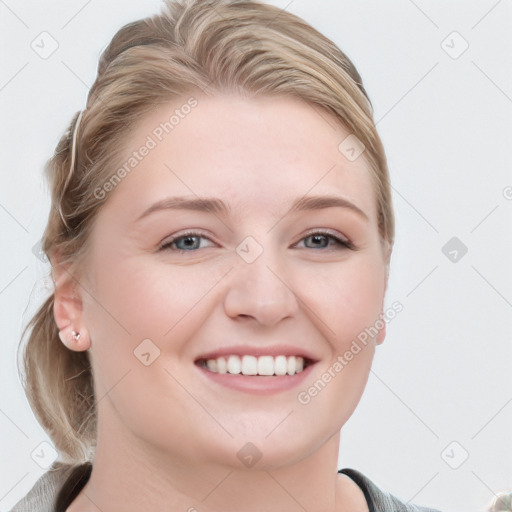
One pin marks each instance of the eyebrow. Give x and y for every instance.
(214, 205)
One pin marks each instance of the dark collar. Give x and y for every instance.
(361, 481)
(80, 475)
(72, 487)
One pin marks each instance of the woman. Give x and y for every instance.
(220, 240)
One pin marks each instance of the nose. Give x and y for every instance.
(259, 290)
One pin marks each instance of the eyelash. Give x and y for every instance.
(342, 243)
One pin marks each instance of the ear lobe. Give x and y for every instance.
(67, 311)
(75, 340)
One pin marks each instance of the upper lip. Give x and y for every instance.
(246, 350)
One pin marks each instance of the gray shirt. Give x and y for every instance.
(59, 486)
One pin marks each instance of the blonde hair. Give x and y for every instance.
(238, 46)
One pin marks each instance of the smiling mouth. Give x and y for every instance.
(256, 366)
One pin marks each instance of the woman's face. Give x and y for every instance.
(172, 286)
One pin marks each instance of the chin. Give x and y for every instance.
(261, 451)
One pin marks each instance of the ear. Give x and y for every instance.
(67, 309)
(382, 332)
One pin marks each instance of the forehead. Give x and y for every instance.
(255, 153)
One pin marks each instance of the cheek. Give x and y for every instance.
(141, 297)
(348, 302)
(349, 299)
(141, 307)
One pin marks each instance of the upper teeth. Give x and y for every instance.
(252, 365)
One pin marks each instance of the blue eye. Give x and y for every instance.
(191, 242)
(320, 237)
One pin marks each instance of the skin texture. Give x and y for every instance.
(168, 437)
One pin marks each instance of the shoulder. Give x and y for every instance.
(48, 493)
(378, 500)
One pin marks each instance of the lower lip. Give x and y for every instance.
(257, 384)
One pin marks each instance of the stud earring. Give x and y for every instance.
(76, 335)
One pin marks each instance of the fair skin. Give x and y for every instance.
(168, 433)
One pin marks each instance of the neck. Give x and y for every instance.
(127, 473)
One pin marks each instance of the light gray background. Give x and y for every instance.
(443, 373)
